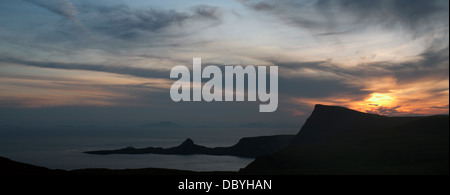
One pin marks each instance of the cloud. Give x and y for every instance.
(416, 17)
(408, 13)
(91, 88)
(124, 70)
(431, 65)
(319, 88)
(61, 7)
(441, 107)
(387, 111)
(288, 86)
(64, 8)
(412, 82)
(123, 22)
(118, 26)
(208, 12)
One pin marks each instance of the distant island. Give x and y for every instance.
(249, 147)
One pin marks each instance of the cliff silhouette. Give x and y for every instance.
(337, 140)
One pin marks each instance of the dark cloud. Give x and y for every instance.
(207, 12)
(293, 86)
(303, 87)
(123, 22)
(319, 87)
(432, 65)
(125, 70)
(386, 111)
(333, 33)
(327, 16)
(61, 7)
(261, 6)
(415, 15)
(66, 9)
(117, 26)
(441, 107)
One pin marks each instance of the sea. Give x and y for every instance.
(62, 147)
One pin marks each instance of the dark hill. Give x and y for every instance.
(9, 167)
(336, 140)
(249, 147)
(12, 168)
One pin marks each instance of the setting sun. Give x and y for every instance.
(382, 100)
(380, 103)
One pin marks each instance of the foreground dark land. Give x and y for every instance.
(333, 141)
(9, 167)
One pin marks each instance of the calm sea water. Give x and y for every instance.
(62, 147)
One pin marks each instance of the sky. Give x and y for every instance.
(105, 61)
